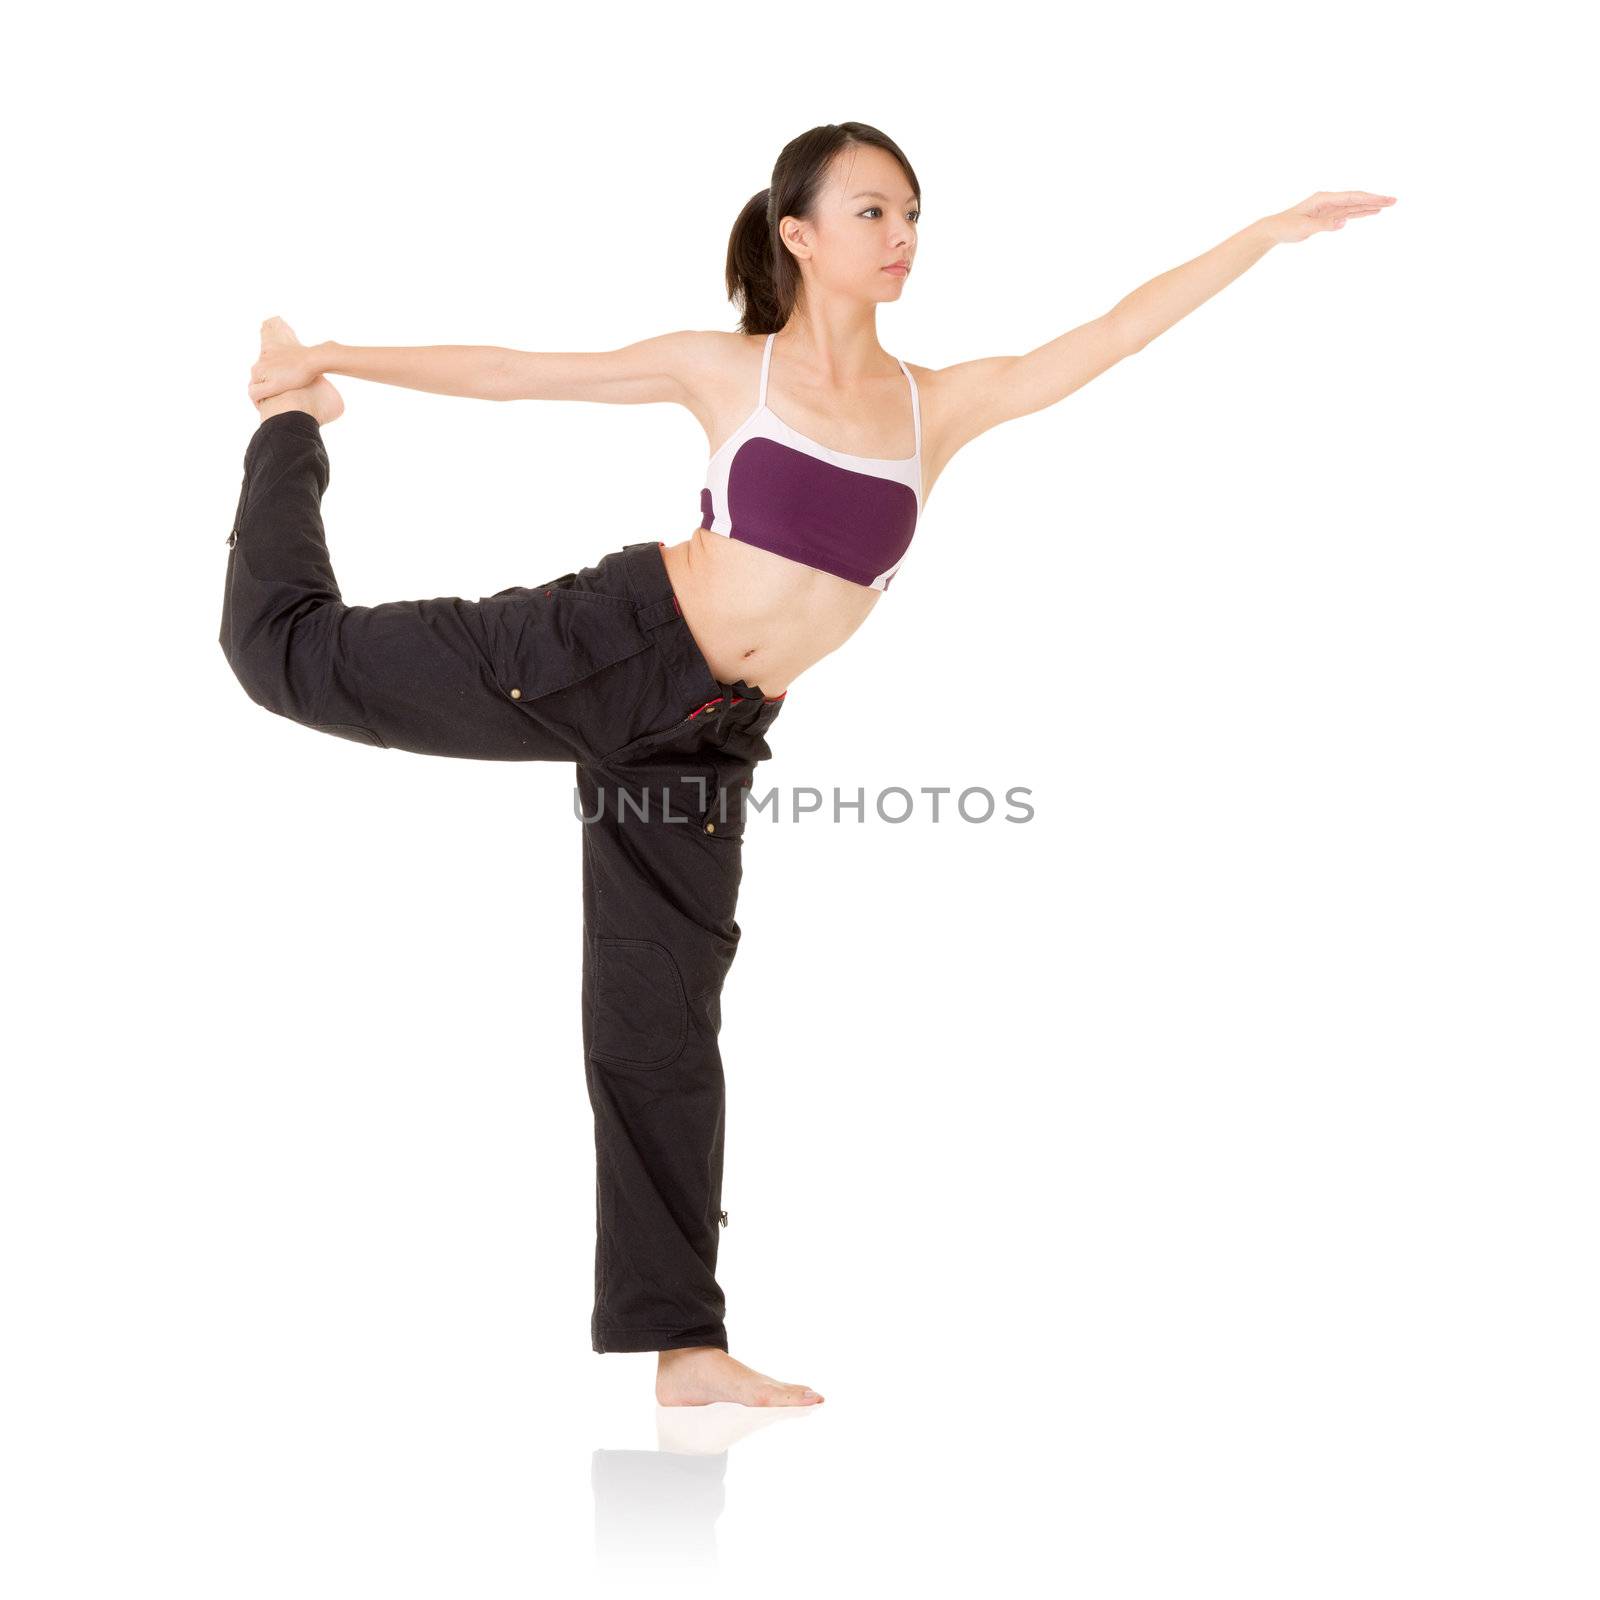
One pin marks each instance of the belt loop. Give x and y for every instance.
(653, 613)
(648, 613)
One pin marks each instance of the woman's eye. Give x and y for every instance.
(916, 216)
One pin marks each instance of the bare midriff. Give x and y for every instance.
(759, 617)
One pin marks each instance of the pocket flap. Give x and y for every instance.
(545, 639)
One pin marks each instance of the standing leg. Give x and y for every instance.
(659, 939)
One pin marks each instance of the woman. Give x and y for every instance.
(642, 669)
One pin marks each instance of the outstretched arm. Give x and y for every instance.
(978, 395)
(1153, 307)
(655, 369)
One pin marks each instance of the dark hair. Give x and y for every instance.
(763, 277)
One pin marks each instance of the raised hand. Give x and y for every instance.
(284, 358)
(1324, 212)
(284, 363)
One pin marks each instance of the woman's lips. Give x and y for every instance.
(899, 272)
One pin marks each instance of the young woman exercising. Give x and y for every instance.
(659, 671)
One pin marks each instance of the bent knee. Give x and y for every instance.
(282, 664)
(261, 666)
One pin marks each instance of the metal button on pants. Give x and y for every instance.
(599, 669)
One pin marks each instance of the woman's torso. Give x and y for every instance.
(757, 615)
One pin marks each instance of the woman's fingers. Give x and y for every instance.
(1355, 204)
(279, 369)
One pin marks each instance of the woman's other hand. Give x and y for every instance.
(1323, 213)
(284, 362)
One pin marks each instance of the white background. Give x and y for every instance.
(1191, 1190)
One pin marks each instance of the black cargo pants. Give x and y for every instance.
(598, 668)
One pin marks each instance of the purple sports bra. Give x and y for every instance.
(853, 516)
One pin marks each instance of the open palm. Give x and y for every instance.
(1325, 212)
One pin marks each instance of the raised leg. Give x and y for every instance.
(436, 677)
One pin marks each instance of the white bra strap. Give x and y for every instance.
(916, 408)
(766, 361)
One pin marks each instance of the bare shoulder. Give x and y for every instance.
(966, 400)
(957, 403)
(943, 391)
(713, 363)
(717, 373)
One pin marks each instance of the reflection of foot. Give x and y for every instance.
(714, 1430)
(703, 1374)
(320, 398)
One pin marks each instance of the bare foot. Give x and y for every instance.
(318, 397)
(703, 1374)
(321, 399)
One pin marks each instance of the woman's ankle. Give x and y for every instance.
(276, 408)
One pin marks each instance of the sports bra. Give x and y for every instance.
(853, 516)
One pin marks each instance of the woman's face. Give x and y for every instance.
(866, 220)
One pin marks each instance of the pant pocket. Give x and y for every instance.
(544, 640)
(641, 1013)
(727, 791)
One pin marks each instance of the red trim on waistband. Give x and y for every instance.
(769, 699)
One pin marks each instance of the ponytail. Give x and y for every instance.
(751, 277)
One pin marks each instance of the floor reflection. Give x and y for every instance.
(659, 1508)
